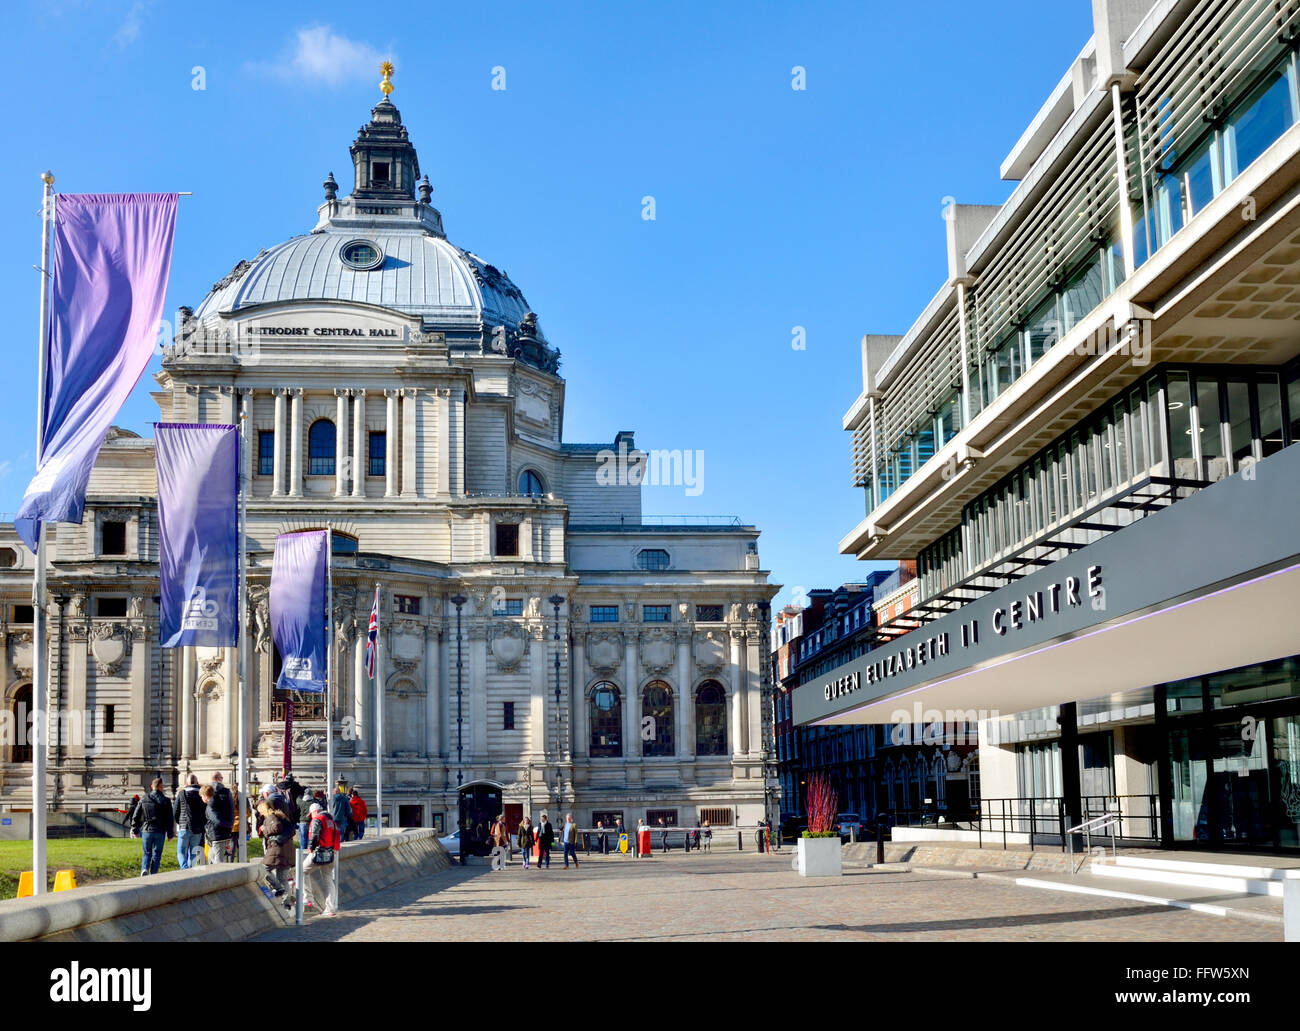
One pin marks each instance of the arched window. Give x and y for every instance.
(343, 543)
(904, 785)
(889, 786)
(939, 771)
(531, 485)
(710, 719)
(606, 717)
(657, 704)
(21, 709)
(652, 559)
(320, 448)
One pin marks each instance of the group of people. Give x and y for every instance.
(533, 841)
(204, 820)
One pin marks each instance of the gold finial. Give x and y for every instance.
(48, 178)
(386, 86)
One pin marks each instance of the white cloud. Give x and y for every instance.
(129, 31)
(319, 55)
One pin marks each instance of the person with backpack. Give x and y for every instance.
(277, 830)
(324, 841)
(191, 819)
(357, 817)
(128, 821)
(153, 821)
(220, 819)
(526, 839)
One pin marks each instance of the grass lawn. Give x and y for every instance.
(94, 859)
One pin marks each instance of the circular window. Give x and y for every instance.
(605, 698)
(361, 255)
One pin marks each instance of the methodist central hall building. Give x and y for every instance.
(1089, 442)
(545, 645)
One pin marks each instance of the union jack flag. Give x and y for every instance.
(372, 638)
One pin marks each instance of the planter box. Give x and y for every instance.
(819, 857)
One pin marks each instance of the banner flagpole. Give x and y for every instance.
(242, 702)
(39, 645)
(329, 661)
(379, 724)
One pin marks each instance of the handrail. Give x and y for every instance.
(1110, 820)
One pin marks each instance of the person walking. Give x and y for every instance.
(216, 828)
(304, 814)
(526, 839)
(221, 823)
(324, 840)
(191, 818)
(600, 838)
(128, 821)
(153, 820)
(619, 832)
(545, 839)
(708, 837)
(340, 809)
(636, 841)
(357, 817)
(276, 830)
(663, 833)
(500, 838)
(570, 841)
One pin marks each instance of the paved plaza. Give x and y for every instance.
(748, 897)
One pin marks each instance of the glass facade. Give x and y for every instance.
(1189, 424)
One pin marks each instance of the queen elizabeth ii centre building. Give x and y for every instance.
(1088, 442)
(545, 645)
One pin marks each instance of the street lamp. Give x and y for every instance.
(556, 601)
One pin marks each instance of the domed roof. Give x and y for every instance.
(380, 245)
(418, 273)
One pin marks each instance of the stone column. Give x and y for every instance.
(341, 443)
(295, 443)
(140, 716)
(444, 441)
(79, 644)
(631, 699)
(739, 734)
(186, 656)
(390, 445)
(410, 450)
(753, 692)
(230, 674)
(277, 472)
(581, 729)
(362, 693)
(685, 702)
(537, 721)
(476, 693)
(432, 692)
(359, 457)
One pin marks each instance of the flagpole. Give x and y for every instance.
(242, 702)
(329, 661)
(39, 653)
(379, 724)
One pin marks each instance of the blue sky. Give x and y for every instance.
(775, 208)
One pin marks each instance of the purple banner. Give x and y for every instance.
(112, 259)
(198, 534)
(298, 625)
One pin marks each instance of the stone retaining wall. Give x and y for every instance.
(211, 903)
(959, 855)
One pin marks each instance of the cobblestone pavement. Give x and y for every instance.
(745, 896)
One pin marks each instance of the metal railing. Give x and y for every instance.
(1097, 823)
(1137, 817)
(1024, 815)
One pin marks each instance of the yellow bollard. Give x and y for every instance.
(25, 885)
(65, 880)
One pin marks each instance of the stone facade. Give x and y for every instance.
(416, 407)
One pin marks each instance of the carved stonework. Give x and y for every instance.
(751, 610)
(509, 642)
(604, 651)
(135, 607)
(304, 742)
(533, 402)
(108, 646)
(657, 651)
(733, 613)
(20, 653)
(406, 645)
(77, 607)
(259, 617)
(682, 611)
(710, 651)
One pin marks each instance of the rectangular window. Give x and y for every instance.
(507, 539)
(1106, 454)
(1119, 444)
(1137, 435)
(265, 452)
(112, 537)
(508, 716)
(1239, 427)
(110, 719)
(378, 452)
(113, 607)
(380, 174)
(1044, 328)
(510, 607)
(656, 613)
(23, 614)
(708, 613)
(653, 816)
(1179, 404)
(1210, 429)
(1270, 415)
(604, 613)
(716, 817)
(406, 604)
